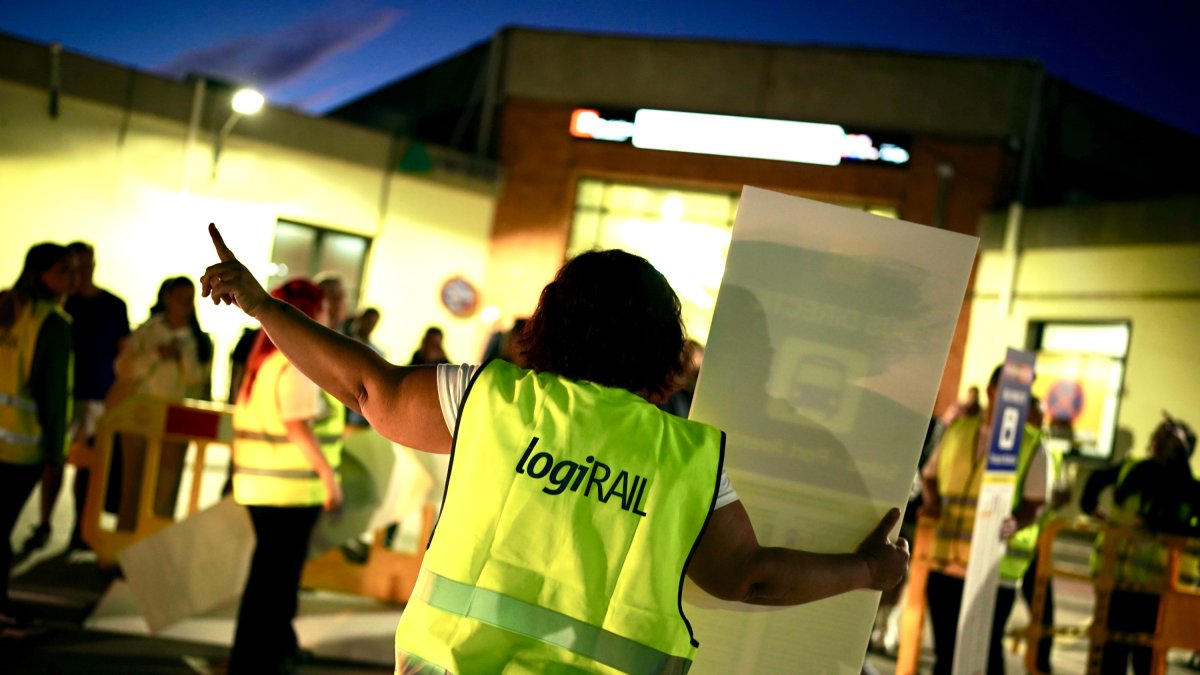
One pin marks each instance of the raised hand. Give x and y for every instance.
(886, 560)
(229, 281)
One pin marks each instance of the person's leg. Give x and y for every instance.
(943, 597)
(133, 462)
(16, 484)
(1005, 597)
(1046, 643)
(52, 479)
(80, 490)
(170, 473)
(1144, 619)
(1114, 658)
(265, 639)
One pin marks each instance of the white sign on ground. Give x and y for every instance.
(827, 345)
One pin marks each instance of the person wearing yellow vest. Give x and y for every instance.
(286, 450)
(1157, 494)
(574, 506)
(35, 394)
(951, 483)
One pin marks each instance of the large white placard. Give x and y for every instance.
(827, 345)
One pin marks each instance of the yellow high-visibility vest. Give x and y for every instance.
(268, 469)
(20, 433)
(570, 514)
(959, 476)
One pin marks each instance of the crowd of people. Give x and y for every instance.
(565, 389)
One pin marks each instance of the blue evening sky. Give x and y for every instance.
(315, 54)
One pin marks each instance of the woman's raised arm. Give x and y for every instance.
(400, 402)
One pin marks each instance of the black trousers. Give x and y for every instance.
(1046, 643)
(16, 484)
(944, 598)
(265, 641)
(1131, 612)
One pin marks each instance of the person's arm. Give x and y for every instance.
(1098, 480)
(299, 433)
(730, 564)
(400, 402)
(49, 384)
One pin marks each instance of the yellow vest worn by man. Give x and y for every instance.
(959, 477)
(571, 511)
(20, 432)
(268, 469)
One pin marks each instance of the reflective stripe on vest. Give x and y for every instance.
(19, 439)
(577, 507)
(18, 402)
(546, 625)
(281, 438)
(277, 473)
(268, 468)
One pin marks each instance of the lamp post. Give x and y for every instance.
(244, 102)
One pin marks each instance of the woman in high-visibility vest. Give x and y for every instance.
(574, 506)
(1154, 494)
(167, 356)
(35, 393)
(286, 450)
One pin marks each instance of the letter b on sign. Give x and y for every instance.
(1008, 428)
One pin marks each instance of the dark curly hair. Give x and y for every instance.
(607, 317)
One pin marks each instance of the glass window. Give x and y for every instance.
(683, 232)
(304, 250)
(1080, 375)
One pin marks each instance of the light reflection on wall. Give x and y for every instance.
(684, 232)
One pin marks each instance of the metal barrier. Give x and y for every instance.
(1179, 604)
(154, 420)
(387, 575)
(1178, 612)
(912, 621)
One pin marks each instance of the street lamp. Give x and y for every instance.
(244, 102)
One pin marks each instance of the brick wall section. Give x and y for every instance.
(543, 162)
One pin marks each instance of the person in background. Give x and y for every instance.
(431, 352)
(540, 557)
(237, 361)
(360, 328)
(506, 344)
(968, 407)
(1154, 494)
(168, 356)
(99, 325)
(680, 402)
(1059, 496)
(35, 395)
(951, 482)
(335, 296)
(286, 451)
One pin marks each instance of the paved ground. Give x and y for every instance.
(95, 627)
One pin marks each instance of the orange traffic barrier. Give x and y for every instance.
(145, 424)
(385, 575)
(912, 621)
(1179, 605)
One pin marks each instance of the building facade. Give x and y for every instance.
(931, 139)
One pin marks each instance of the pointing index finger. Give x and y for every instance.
(223, 251)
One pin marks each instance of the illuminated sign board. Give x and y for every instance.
(730, 136)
